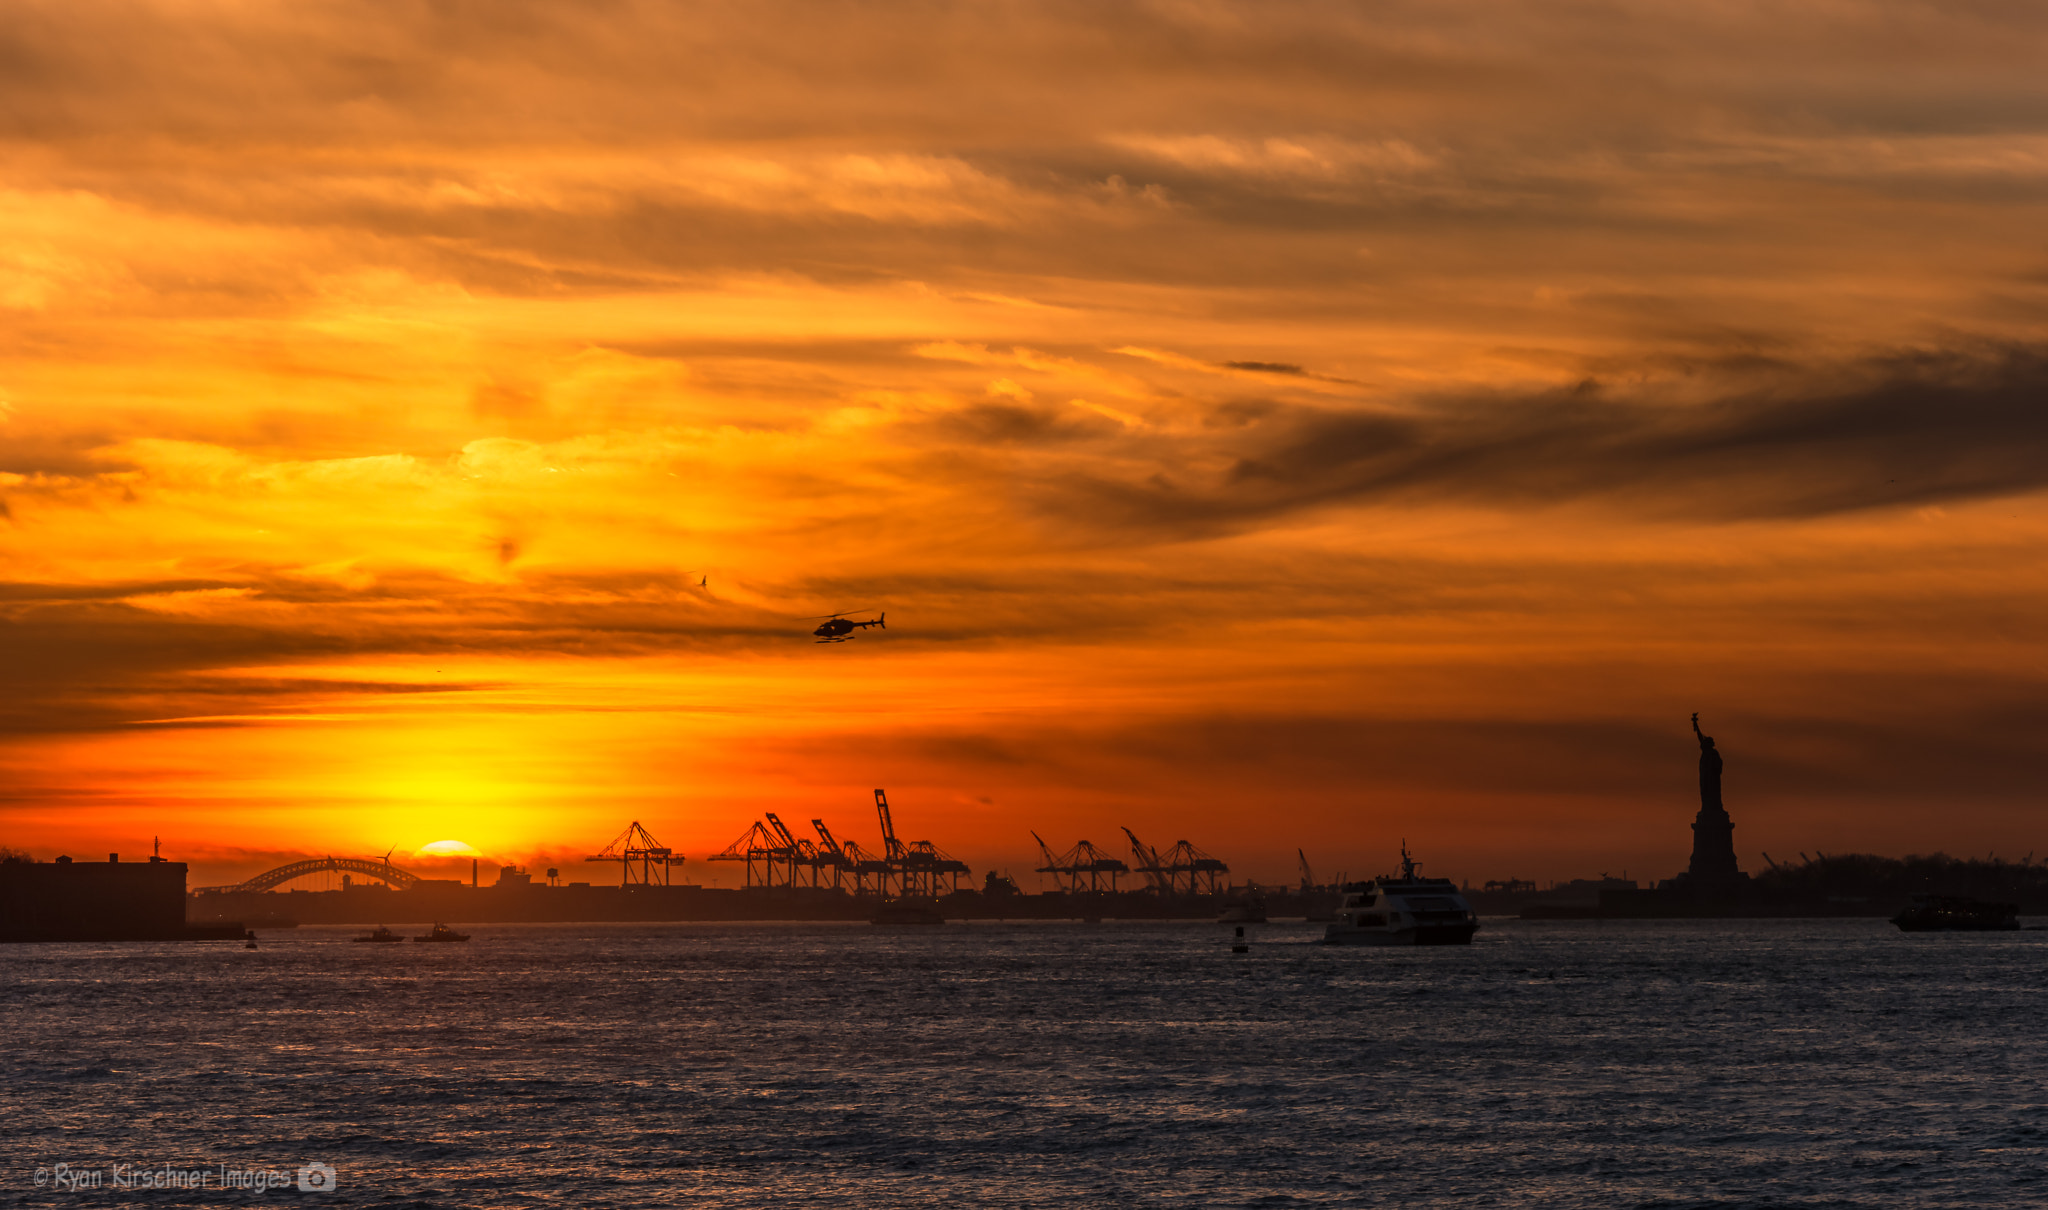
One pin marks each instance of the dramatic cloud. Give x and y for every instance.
(1907, 431)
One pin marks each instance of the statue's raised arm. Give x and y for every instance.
(1696, 729)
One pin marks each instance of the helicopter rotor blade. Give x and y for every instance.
(841, 613)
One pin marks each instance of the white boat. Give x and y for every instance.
(1408, 910)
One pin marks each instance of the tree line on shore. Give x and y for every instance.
(1866, 876)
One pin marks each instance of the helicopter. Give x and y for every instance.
(839, 629)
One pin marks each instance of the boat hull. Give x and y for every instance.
(1428, 934)
(1956, 926)
(1956, 914)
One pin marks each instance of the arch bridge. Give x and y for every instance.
(390, 875)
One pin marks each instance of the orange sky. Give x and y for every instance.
(1268, 424)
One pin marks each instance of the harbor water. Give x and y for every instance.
(1831, 1063)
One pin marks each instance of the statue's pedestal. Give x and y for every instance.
(1713, 847)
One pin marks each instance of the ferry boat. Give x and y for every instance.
(383, 936)
(1956, 914)
(443, 933)
(1409, 910)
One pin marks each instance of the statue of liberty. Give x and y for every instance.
(1713, 833)
(1710, 769)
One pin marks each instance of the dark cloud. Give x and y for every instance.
(1265, 367)
(27, 592)
(757, 70)
(1005, 424)
(1908, 430)
(48, 458)
(81, 658)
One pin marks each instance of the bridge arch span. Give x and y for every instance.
(390, 875)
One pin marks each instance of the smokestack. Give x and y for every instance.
(472, 874)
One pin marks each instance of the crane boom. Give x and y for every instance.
(1148, 863)
(1052, 864)
(788, 841)
(892, 848)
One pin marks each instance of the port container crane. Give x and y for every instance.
(1204, 873)
(919, 865)
(636, 845)
(758, 846)
(1083, 859)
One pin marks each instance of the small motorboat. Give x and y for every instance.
(383, 936)
(442, 932)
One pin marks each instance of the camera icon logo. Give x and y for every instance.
(316, 1178)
